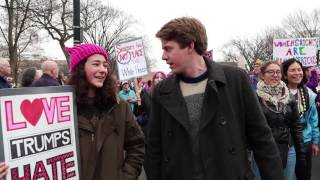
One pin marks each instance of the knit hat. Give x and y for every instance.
(82, 52)
(258, 62)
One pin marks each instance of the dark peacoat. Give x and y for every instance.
(231, 120)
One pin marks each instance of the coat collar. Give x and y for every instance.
(215, 74)
(171, 98)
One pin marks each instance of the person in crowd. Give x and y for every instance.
(139, 89)
(205, 115)
(311, 77)
(5, 71)
(254, 74)
(127, 94)
(147, 86)
(49, 77)
(293, 76)
(146, 95)
(281, 112)
(62, 79)
(111, 142)
(28, 76)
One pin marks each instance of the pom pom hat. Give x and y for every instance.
(82, 52)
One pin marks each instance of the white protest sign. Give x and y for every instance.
(302, 49)
(131, 59)
(39, 133)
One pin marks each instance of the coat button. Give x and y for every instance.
(232, 150)
(223, 122)
(170, 133)
(166, 159)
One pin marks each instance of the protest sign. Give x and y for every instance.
(38, 133)
(302, 49)
(131, 60)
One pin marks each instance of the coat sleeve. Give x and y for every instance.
(258, 133)
(296, 128)
(134, 147)
(314, 120)
(154, 148)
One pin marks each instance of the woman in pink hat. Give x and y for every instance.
(111, 142)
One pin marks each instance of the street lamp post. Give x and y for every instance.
(76, 22)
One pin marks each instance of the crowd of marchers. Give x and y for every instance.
(204, 121)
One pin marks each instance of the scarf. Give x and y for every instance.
(276, 95)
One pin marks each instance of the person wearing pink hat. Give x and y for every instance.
(111, 142)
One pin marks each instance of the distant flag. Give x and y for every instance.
(208, 54)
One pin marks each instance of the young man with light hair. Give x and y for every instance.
(5, 71)
(205, 115)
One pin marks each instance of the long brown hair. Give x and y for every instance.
(105, 95)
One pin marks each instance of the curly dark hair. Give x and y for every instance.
(184, 31)
(105, 95)
(28, 77)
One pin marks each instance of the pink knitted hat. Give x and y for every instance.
(82, 52)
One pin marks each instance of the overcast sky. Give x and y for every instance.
(224, 19)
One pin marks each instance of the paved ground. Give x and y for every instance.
(315, 170)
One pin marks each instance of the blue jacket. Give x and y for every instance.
(124, 95)
(311, 131)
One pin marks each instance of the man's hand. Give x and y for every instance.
(315, 149)
(3, 170)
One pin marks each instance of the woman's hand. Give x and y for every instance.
(3, 170)
(315, 149)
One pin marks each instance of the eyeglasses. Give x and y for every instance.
(271, 72)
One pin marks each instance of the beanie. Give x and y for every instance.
(82, 52)
(258, 62)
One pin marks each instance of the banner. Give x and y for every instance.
(39, 133)
(302, 49)
(131, 60)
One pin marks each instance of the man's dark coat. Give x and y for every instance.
(231, 121)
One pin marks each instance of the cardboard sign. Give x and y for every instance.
(39, 133)
(131, 60)
(302, 49)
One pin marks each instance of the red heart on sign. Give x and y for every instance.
(32, 111)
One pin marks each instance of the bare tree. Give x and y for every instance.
(17, 30)
(105, 25)
(296, 25)
(147, 49)
(302, 24)
(55, 16)
(246, 49)
(252, 49)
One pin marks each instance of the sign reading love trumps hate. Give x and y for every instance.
(38, 133)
